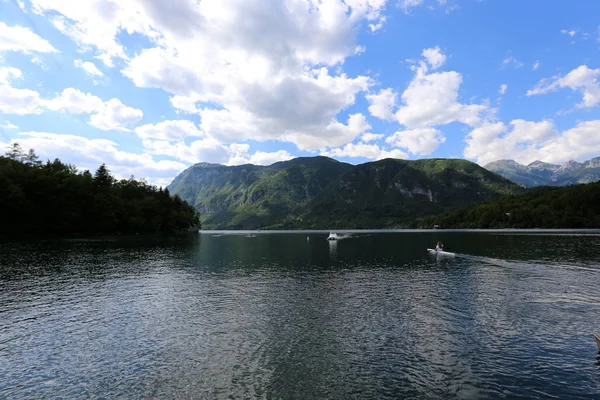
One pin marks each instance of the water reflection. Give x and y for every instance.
(333, 248)
(280, 316)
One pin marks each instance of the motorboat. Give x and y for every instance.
(441, 253)
(333, 236)
(597, 336)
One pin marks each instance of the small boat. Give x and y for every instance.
(333, 236)
(441, 253)
(597, 336)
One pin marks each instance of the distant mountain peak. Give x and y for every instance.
(537, 165)
(539, 173)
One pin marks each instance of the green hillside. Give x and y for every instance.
(319, 192)
(576, 206)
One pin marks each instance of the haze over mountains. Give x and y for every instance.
(319, 192)
(544, 174)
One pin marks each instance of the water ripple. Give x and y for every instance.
(282, 317)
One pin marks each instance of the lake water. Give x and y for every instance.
(293, 316)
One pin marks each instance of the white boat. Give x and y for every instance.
(333, 236)
(441, 253)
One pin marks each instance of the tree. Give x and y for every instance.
(15, 152)
(103, 178)
(32, 159)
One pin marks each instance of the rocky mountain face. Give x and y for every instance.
(319, 192)
(544, 174)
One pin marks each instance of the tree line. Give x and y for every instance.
(53, 198)
(570, 207)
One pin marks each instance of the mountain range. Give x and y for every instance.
(544, 174)
(322, 193)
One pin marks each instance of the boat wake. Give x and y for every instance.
(521, 263)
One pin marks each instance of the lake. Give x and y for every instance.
(293, 316)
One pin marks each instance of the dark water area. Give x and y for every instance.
(293, 316)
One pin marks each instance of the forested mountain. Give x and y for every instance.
(54, 199)
(319, 192)
(576, 206)
(544, 174)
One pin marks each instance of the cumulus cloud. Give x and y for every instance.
(431, 99)
(14, 100)
(109, 115)
(21, 39)
(114, 115)
(582, 79)
(371, 137)
(527, 141)
(382, 104)
(434, 56)
(250, 69)
(418, 141)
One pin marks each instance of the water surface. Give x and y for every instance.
(291, 315)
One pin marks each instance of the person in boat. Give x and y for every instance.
(439, 246)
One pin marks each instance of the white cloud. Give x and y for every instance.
(524, 142)
(108, 115)
(203, 150)
(21, 39)
(434, 56)
(363, 150)
(582, 79)
(91, 153)
(432, 99)
(114, 115)
(8, 126)
(422, 141)
(377, 26)
(94, 26)
(168, 130)
(571, 32)
(382, 104)
(511, 61)
(371, 137)
(210, 150)
(536, 65)
(8, 74)
(503, 89)
(38, 61)
(261, 70)
(75, 102)
(88, 67)
(14, 100)
(261, 158)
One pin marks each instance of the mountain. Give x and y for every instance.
(544, 174)
(319, 192)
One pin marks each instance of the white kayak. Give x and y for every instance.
(441, 253)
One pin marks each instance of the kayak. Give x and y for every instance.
(441, 253)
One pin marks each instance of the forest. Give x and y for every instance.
(55, 199)
(570, 207)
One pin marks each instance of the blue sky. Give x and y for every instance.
(151, 87)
